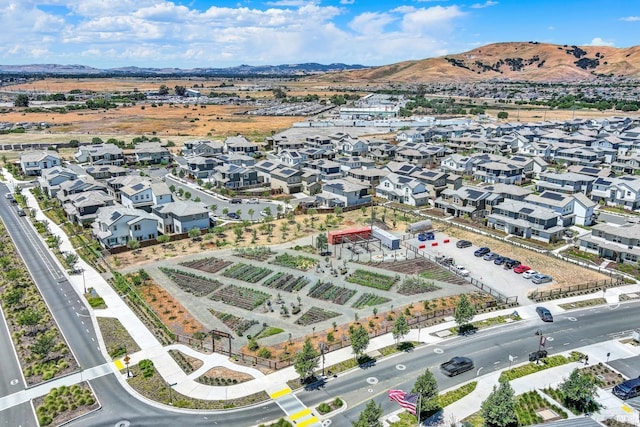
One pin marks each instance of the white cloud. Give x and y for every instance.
(597, 41)
(431, 20)
(347, 1)
(370, 23)
(631, 18)
(488, 3)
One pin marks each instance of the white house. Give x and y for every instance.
(33, 162)
(403, 189)
(181, 216)
(116, 226)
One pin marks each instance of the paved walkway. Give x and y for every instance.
(275, 383)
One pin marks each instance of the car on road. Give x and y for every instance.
(461, 270)
(537, 355)
(500, 260)
(544, 314)
(426, 236)
(529, 274)
(235, 201)
(519, 269)
(482, 251)
(253, 201)
(628, 389)
(541, 278)
(21, 212)
(511, 263)
(264, 213)
(463, 244)
(491, 256)
(233, 215)
(457, 365)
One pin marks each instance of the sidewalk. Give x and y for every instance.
(274, 382)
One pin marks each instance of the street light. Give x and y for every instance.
(170, 394)
(323, 348)
(84, 282)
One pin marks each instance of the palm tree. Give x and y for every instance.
(251, 212)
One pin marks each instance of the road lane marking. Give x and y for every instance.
(280, 393)
(300, 414)
(310, 421)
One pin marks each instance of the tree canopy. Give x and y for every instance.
(464, 311)
(370, 416)
(579, 391)
(306, 360)
(400, 328)
(359, 340)
(427, 386)
(21, 100)
(498, 410)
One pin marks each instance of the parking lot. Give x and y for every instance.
(502, 280)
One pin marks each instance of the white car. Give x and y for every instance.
(253, 201)
(461, 270)
(529, 274)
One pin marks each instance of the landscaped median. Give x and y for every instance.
(532, 368)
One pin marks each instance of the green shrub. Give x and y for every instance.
(324, 408)
(265, 353)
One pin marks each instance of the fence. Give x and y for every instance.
(538, 295)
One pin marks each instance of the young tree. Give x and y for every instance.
(370, 416)
(30, 317)
(464, 311)
(427, 387)
(251, 213)
(498, 410)
(43, 345)
(359, 340)
(579, 391)
(503, 115)
(163, 239)
(133, 244)
(193, 233)
(322, 242)
(400, 328)
(306, 360)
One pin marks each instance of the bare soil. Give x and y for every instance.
(169, 310)
(222, 372)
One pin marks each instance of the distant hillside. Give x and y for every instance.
(241, 70)
(531, 61)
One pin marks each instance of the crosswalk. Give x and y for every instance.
(296, 411)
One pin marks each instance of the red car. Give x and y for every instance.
(521, 269)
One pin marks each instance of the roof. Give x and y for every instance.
(182, 208)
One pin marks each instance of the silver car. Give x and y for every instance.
(541, 278)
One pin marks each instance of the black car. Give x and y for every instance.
(500, 260)
(510, 263)
(325, 253)
(235, 201)
(233, 215)
(463, 244)
(482, 251)
(544, 314)
(537, 355)
(456, 365)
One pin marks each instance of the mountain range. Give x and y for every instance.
(516, 61)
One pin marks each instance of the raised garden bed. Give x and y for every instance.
(369, 300)
(605, 376)
(286, 282)
(187, 363)
(299, 262)
(428, 270)
(260, 253)
(246, 272)
(371, 279)
(315, 315)
(416, 285)
(210, 265)
(241, 297)
(192, 283)
(64, 404)
(237, 324)
(223, 377)
(328, 292)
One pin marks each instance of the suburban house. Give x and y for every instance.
(181, 216)
(264, 168)
(161, 193)
(355, 162)
(433, 180)
(369, 176)
(568, 182)
(526, 220)
(80, 185)
(50, 179)
(150, 153)
(352, 147)
(105, 172)
(33, 162)
(202, 147)
(402, 168)
(623, 191)
(619, 243)
(287, 180)
(328, 169)
(493, 172)
(403, 189)
(235, 177)
(343, 193)
(237, 158)
(575, 209)
(100, 154)
(311, 182)
(200, 167)
(240, 144)
(115, 184)
(82, 208)
(116, 225)
(293, 159)
(466, 200)
(458, 164)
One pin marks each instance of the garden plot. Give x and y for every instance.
(328, 292)
(299, 262)
(369, 300)
(260, 253)
(372, 280)
(192, 283)
(240, 297)
(286, 282)
(239, 325)
(210, 265)
(246, 272)
(416, 285)
(315, 315)
(426, 269)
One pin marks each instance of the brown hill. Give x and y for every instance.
(525, 61)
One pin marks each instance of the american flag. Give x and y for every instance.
(408, 401)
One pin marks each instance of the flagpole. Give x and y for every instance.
(418, 409)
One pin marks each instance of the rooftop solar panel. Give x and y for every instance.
(551, 195)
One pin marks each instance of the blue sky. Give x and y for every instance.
(223, 33)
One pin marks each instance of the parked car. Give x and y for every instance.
(545, 314)
(491, 256)
(461, 270)
(482, 251)
(457, 365)
(500, 260)
(21, 212)
(541, 278)
(264, 213)
(235, 201)
(325, 253)
(463, 244)
(529, 274)
(426, 236)
(628, 389)
(519, 269)
(233, 215)
(253, 201)
(444, 260)
(537, 355)
(511, 263)
(9, 197)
